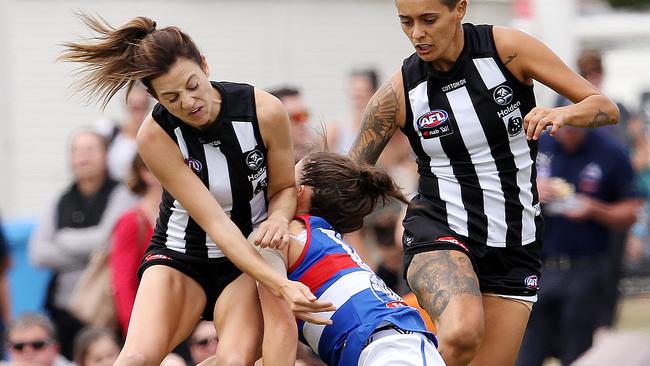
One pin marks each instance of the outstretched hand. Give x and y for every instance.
(539, 119)
(304, 304)
(273, 233)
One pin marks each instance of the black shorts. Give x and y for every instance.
(212, 274)
(510, 271)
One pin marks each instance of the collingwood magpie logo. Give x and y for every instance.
(503, 95)
(515, 125)
(194, 164)
(254, 159)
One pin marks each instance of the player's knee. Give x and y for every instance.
(233, 359)
(133, 358)
(462, 341)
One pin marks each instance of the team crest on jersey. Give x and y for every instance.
(503, 95)
(515, 125)
(194, 164)
(434, 124)
(254, 159)
(407, 239)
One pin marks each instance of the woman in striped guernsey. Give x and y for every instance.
(465, 101)
(222, 152)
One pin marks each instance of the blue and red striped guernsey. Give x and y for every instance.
(334, 272)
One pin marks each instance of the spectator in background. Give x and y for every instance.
(95, 347)
(78, 221)
(362, 84)
(130, 239)
(304, 139)
(5, 299)
(203, 342)
(586, 187)
(631, 134)
(32, 340)
(122, 147)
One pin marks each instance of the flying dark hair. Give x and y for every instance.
(121, 56)
(344, 191)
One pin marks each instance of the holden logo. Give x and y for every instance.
(503, 95)
(254, 159)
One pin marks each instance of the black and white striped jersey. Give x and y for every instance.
(466, 128)
(230, 159)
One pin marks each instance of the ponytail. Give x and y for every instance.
(116, 57)
(377, 184)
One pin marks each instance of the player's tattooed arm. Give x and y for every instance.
(601, 119)
(510, 58)
(378, 124)
(437, 276)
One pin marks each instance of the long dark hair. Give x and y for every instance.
(344, 191)
(121, 56)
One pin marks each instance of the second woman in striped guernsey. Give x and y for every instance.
(465, 101)
(222, 151)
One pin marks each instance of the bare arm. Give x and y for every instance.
(384, 113)
(529, 59)
(274, 126)
(165, 161)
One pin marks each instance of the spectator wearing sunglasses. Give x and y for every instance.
(31, 339)
(203, 341)
(304, 139)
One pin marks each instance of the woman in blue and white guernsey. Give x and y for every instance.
(371, 325)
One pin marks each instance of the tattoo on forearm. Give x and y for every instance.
(601, 119)
(510, 58)
(437, 276)
(378, 123)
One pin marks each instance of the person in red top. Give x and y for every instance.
(130, 239)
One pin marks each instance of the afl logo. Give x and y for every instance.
(503, 95)
(531, 282)
(434, 124)
(194, 164)
(254, 159)
(432, 119)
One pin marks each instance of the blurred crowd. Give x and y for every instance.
(593, 186)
